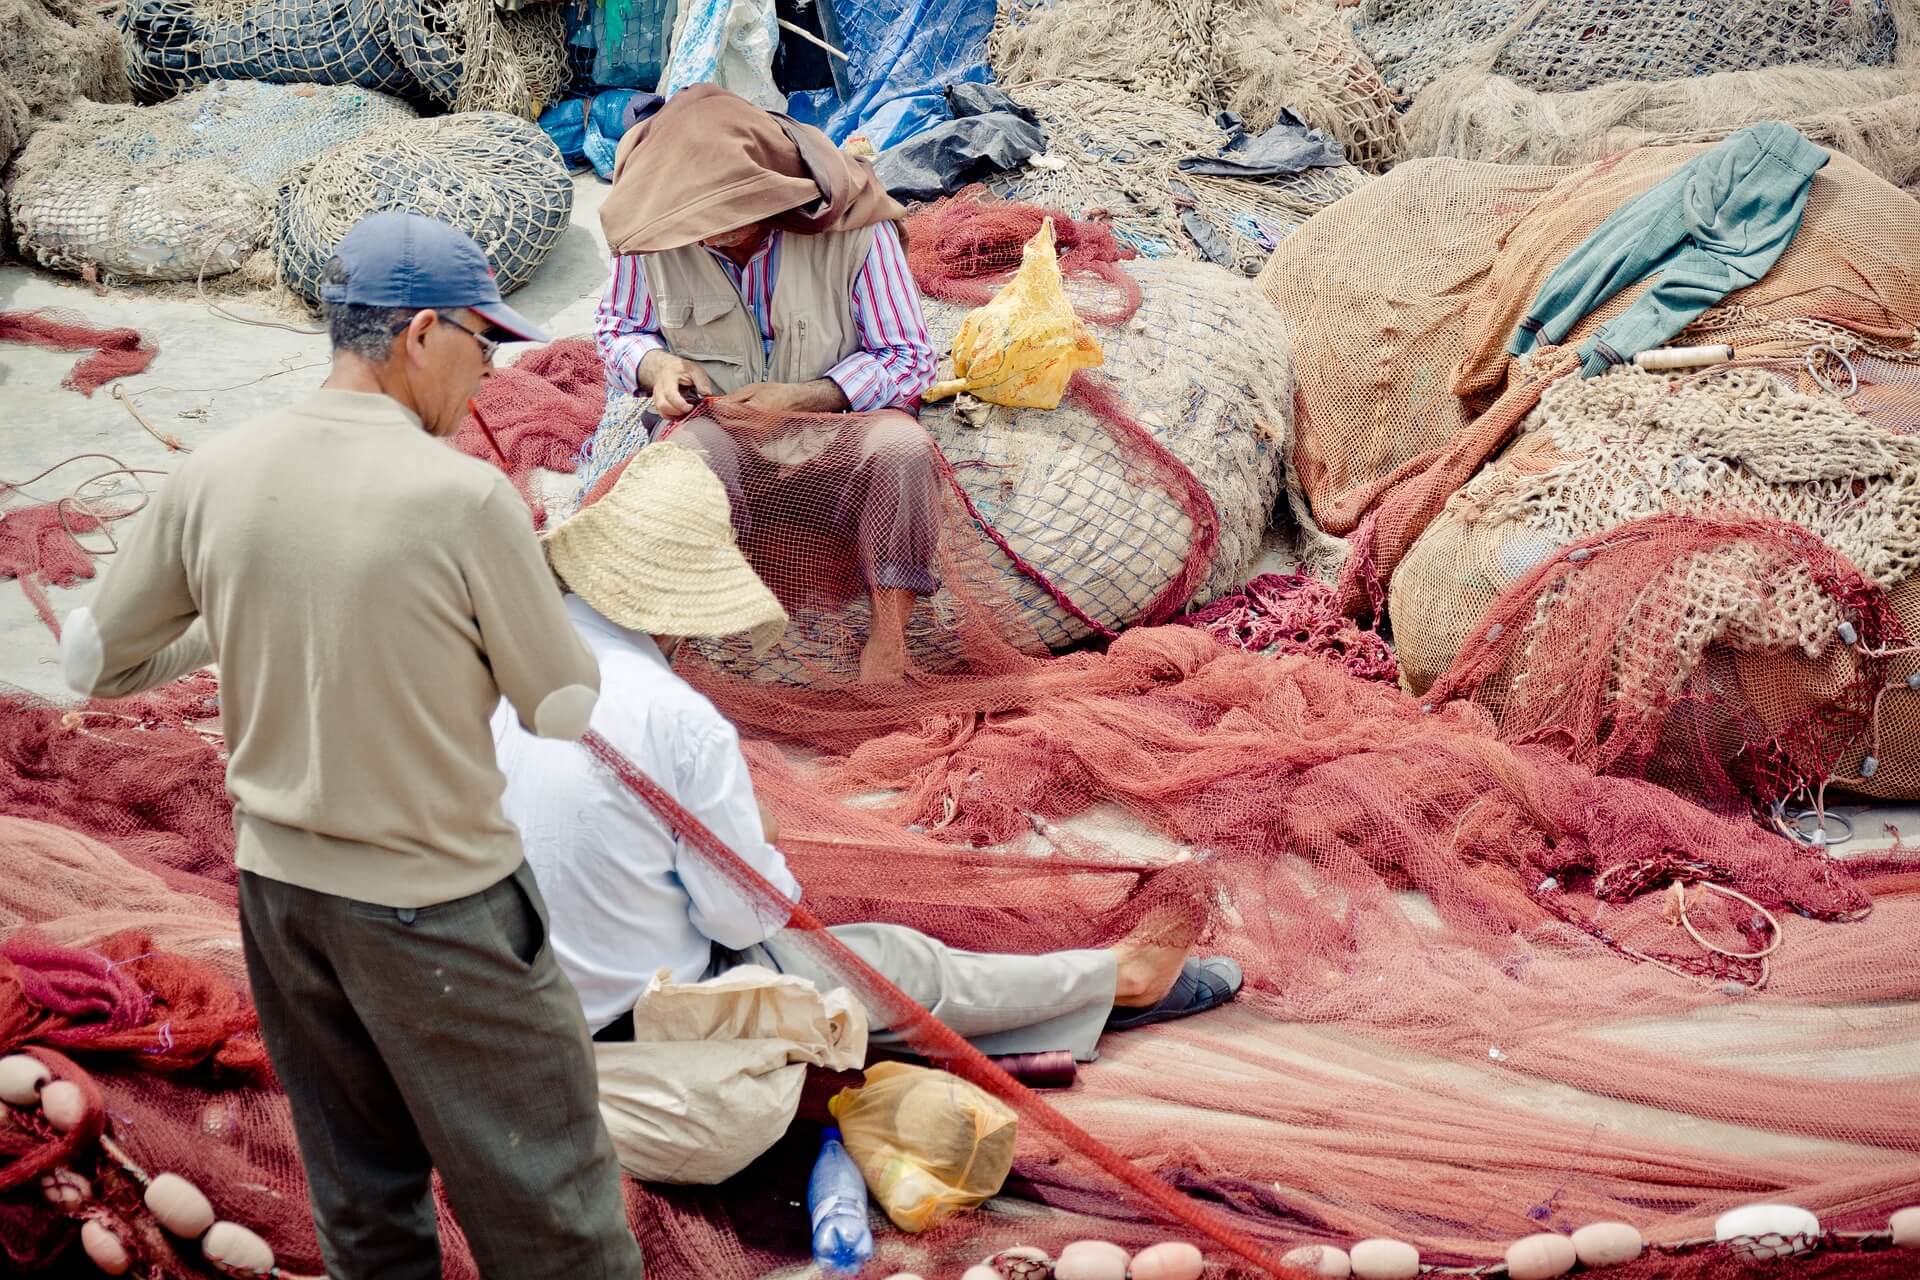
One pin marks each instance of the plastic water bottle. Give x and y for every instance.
(837, 1204)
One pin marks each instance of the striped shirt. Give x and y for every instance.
(894, 365)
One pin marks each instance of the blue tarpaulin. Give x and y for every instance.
(900, 59)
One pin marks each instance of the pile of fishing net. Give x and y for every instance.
(53, 52)
(1148, 489)
(1475, 1007)
(1562, 46)
(494, 176)
(1404, 295)
(1256, 58)
(1113, 154)
(1742, 616)
(184, 190)
(1568, 84)
(462, 55)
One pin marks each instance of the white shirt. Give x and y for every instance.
(626, 899)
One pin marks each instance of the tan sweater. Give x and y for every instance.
(370, 594)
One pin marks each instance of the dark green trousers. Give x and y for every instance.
(447, 1038)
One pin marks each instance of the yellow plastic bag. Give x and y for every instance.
(1020, 349)
(928, 1143)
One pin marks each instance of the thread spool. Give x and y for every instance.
(1054, 1069)
(1683, 357)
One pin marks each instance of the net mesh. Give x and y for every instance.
(1404, 295)
(183, 190)
(114, 353)
(1870, 115)
(463, 55)
(1566, 45)
(1728, 442)
(1443, 935)
(494, 176)
(1256, 58)
(52, 52)
(1489, 991)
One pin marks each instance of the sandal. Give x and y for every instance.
(1202, 985)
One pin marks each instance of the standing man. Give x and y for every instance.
(370, 594)
(756, 264)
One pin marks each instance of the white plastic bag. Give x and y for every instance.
(729, 43)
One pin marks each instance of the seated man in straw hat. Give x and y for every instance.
(650, 564)
(756, 264)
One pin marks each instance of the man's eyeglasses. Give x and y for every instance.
(487, 345)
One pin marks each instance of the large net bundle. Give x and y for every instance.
(1870, 115)
(1598, 456)
(1567, 45)
(1607, 451)
(51, 52)
(1254, 57)
(1619, 653)
(183, 190)
(1404, 295)
(459, 54)
(494, 176)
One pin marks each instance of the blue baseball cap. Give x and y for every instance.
(398, 259)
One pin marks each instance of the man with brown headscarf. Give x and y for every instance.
(759, 268)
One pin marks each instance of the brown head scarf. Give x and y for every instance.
(710, 162)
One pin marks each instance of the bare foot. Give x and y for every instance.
(1150, 957)
(883, 661)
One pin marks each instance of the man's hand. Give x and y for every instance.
(674, 384)
(823, 395)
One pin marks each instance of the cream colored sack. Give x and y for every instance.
(713, 1076)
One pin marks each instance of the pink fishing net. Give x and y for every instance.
(1491, 989)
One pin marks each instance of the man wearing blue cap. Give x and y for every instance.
(370, 595)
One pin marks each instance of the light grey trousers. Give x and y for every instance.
(447, 1038)
(1002, 1003)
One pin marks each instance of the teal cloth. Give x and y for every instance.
(1714, 227)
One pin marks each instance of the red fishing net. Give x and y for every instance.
(117, 353)
(1489, 991)
(1617, 650)
(535, 414)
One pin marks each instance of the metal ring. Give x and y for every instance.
(1796, 826)
(1822, 380)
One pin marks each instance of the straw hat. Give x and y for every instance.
(656, 554)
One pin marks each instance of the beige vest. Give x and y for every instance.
(703, 317)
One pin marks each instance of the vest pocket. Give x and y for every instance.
(707, 328)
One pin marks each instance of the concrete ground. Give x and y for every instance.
(213, 373)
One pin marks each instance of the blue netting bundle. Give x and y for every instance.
(175, 44)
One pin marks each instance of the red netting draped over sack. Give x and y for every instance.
(1490, 990)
